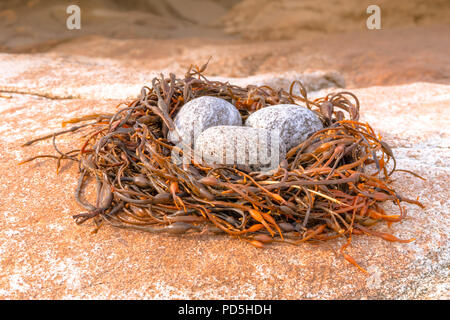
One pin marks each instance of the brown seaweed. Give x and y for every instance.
(331, 185)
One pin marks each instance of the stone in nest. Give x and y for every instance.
(295, 123)
(248, 148)
(201, 113)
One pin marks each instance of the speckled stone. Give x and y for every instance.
(255, 148)
(295, 123)
(201, 113)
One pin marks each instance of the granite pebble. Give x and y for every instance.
(295, 123)
(201, 113)
(247, 147)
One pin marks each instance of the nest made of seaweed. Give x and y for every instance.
(331, 185)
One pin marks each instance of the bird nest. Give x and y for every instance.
(330, 186)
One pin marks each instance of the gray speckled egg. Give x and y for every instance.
(201, 113)
(295, 123)
(255, 148)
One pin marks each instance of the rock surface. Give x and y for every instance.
(299, 36)
(293, 19)
(312, 81)
(54, 76)
(403, 74)
(257, 148)
(201, 113)
(294, 123)
(45, 255)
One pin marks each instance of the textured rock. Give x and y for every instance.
(45, 255)
(295, 123)
(200, 114)
(52, 75)
(293, 19)
(312, 81)
(258, 148)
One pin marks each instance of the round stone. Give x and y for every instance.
(295, 123)
(253, 148)
(201, 113)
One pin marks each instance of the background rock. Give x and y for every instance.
(56, 76)
(291, 19)
(245, 38)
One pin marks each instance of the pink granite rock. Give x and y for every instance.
(45, 255)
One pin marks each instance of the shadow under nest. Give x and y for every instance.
(331, 185)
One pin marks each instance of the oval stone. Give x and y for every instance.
(295, 123)
(253, 148)
(201, 113)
